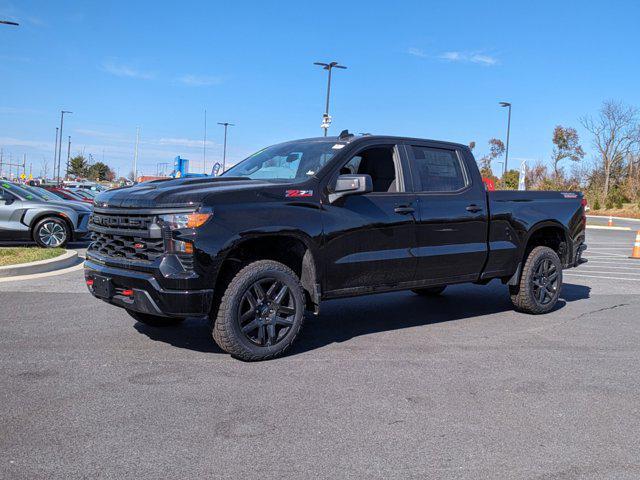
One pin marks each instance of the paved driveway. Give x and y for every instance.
(386, 386)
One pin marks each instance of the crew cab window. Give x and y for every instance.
(438, 170)
(377, 162)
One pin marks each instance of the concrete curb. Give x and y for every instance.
(66, 260)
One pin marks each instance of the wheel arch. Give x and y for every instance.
(295, 250)
(547, 233)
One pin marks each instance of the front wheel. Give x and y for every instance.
(51, 232)
(540, 282)
(155, 320)
(261, 312)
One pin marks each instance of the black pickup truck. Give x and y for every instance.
(309, 220)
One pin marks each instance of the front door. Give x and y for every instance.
(452, 223)
(369, 238)
(10, 214)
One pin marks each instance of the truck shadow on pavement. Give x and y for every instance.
(342, 320)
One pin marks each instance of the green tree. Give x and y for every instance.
(566, 145)
(78, 166)
(100, 171)
(510, 180)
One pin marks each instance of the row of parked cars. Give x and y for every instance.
(49, 215)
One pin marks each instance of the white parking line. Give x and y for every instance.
(599, 263)
(617, 273)
(597, 276)
(604, 227)
(610, 266)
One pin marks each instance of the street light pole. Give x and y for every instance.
(62, 112)
(68, 156)
(7, 22)
(326, 119)
(506, 157)
(55, 152)
(224, 148)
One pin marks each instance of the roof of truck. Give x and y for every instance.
(368, 137)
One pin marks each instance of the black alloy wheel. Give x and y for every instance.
(266, 312)
(261, 312)
(540, 283)
(545, 282)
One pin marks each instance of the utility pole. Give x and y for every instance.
(135, 156)
(68, 157)
(204, 144)
(326, 119)
(506, 157)
(62, 112)
(55, 152)
(224, 148)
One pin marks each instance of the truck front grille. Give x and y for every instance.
(125, 237)
(127, 246)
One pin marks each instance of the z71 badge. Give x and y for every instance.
(298, 193)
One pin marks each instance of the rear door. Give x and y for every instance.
(452, 221)
(369, 238)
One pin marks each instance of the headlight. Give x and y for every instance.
(185, 220)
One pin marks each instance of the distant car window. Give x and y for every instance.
(439, 170)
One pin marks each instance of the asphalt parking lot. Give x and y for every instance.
(387, 386)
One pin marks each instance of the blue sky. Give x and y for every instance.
(426, 69)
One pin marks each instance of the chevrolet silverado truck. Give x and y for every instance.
(260, 246)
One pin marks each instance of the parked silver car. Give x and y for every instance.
(27, 216)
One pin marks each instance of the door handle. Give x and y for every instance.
(474, 208)
(404, 209)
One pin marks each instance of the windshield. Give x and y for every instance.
(290, 162)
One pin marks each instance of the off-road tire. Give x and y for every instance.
(51, 223)
(226, 329)
(522, 295)
(155, 320)
(429, 291)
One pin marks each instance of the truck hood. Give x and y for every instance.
(174, 193)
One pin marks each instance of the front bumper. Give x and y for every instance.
(146, 295)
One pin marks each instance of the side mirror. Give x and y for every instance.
(350, 185)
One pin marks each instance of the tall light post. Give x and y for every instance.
(62, 112)
(326, 119)
(224, 148)
(7, 22)
(68, 156)
(506, 157)
(55, 153)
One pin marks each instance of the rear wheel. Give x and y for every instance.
(155, 320)
(540, 283)
(51, 232)
(430, 291)
(261, 312)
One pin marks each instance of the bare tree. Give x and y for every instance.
(44, 167)
(615, 134)
(566, 145)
